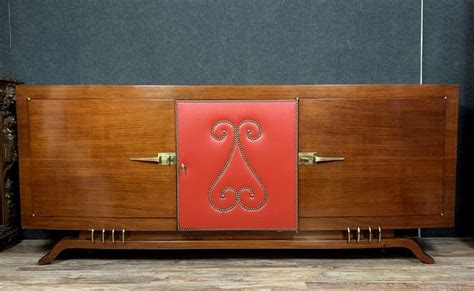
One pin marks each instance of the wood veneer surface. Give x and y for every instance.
(399, 142)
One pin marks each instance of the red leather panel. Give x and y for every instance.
(240, 165)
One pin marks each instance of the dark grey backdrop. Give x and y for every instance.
(248, 42)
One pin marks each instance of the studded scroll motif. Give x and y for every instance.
(250, 194)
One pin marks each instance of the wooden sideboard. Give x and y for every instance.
(398, 144)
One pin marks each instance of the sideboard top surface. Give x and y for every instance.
(237, 91)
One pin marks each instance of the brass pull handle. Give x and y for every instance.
(327, 159)
(161, 158)
(311, 158)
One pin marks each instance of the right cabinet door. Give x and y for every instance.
(395, 170)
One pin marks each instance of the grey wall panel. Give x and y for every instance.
(130, 43)
(448, 47)
(216, 42)
(4, 40)
(4, 30)
(5, 62)
(449, 58)
(45, 41)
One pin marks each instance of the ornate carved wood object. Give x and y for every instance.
(9, 200)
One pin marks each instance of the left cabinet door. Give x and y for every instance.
(75, 163)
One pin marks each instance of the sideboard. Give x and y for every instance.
(247, 167)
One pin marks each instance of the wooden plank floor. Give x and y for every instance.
(373, 269)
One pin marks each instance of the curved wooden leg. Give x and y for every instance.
(415, 248)
(62, 245)
(410, 244)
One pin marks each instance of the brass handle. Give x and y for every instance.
(311, 158)
(161, 158)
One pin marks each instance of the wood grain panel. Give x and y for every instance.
(87, 223)
(238, 91)
(394, 150)
(80, 152)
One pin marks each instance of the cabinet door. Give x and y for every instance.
(394, 168)
(76, 166)
(237, 165)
